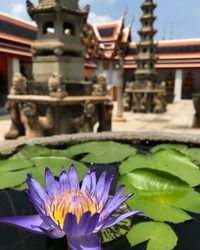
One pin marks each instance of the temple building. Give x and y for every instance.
(178, 61)
(16, 37)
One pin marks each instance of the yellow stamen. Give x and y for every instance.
(74, 202)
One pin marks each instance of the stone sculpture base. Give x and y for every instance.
(145, 100)
(45, 116)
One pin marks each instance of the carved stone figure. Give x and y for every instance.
(35, 125)
(127, 101)
(19, 85)
(105, 116)
(149, 85)
(159, 103)
(130, 85)
(56, 87)
(16, 128)
(86, 122)
(100, 88)
(139, 102)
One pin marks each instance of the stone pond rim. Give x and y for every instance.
(59, 141)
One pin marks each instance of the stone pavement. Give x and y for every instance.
(179, 118)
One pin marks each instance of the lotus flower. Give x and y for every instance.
(66, 209)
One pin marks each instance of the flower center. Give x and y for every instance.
(74, 202)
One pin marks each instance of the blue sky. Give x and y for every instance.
(178, 19)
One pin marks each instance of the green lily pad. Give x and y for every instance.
(191, 202)
(13, 179)
(194, 154)
(14, 165)
(30, 151)
(169, 161)
(177, 147)
(158, 211)
(151, 184)
(160, 236)
(155, 192)
(102, 152)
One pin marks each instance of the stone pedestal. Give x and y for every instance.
(68, 66)
(44, 115)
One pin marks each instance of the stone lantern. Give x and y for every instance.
(58, 48)
(57, 100)
(146, 95)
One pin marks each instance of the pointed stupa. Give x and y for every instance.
(146, 48)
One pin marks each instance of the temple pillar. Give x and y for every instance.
(119, 117)
(178, 84)
(13, 67)
(110, 73)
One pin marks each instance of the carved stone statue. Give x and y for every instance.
(130, 85)
(16, 128)
(127, 101)
(100, 88)
(159, 103)
(35, 125)
(56, 87)
(149, 85)
(86, 122)
(105, 116)
(19, 85)
(139, 102)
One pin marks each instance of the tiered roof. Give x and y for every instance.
(110, 34)
(16, 37)
(55, 5)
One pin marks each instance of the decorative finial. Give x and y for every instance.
(30, 6)
(125, 11)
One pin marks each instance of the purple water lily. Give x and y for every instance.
(66, 209)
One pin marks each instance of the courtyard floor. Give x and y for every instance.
(179, 118)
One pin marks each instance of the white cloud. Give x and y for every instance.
(17, 9)
(94, 19)
(84, 2)
(110, 1)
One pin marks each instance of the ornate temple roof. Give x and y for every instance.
(17, 35)
(110, 34)
(54, 5)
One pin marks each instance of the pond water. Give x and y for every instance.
(15, 202)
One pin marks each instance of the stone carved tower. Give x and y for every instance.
(58, 49)
(146, 58)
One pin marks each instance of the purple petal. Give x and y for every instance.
(86, 184)
(83, 224)
(73, 178)
(93, 180)
(49, 222)
(34, 201)
(30, 223)
(89, 242)
(37, 192)
(106, 190)
(114, 221)
(89, 182)
(53, 233)
(70, 224)
(117, 204)
(63, 181)
(51, 183)
(115, 198)
(92, 224)
(100, 185)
